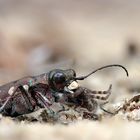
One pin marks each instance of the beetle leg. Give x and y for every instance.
(37, 94)
(27, 98)
(25, 95)
(43, 99)
(109, 112)
(11, 94)
(4, 105)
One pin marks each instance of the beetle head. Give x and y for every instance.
(59, 80)
(66, 80)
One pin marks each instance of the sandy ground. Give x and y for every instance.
(107, 130)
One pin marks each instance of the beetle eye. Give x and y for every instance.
(59, 78)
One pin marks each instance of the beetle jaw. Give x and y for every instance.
(71, 87)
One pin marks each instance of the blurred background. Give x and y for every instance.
(39, 35)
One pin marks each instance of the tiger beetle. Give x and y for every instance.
(31, 93)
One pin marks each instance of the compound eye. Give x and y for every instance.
(59, 78)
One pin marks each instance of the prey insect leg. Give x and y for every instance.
(107, 93)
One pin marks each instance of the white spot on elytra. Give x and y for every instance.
(26, 87)
(11, 90)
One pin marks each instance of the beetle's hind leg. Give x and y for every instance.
(12, 91)
(25, 95)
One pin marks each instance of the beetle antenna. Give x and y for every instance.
(107, 66)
